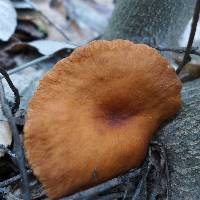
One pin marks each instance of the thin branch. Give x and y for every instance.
(179, 50)
(17, 143)
(13, 88)
(13, 180)
(195, 20)
(32, 62)
(28, 64)
(94, 191)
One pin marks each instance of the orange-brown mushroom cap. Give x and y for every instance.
(96, 112)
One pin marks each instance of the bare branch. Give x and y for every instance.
(195, 20)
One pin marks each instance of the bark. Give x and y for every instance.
(165, 20)
(181, 138)
(150, 21)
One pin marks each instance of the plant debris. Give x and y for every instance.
(8, 20)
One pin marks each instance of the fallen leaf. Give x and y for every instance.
(27, 31)
(8, 20)
(21, 4)
(44, 47)
(34, 17)
(6, 61)
(48, 47)
(89, 13)
(88, 19)
(56, 17)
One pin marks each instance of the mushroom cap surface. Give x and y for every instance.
(95, 112)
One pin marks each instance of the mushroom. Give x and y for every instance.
(95, 112)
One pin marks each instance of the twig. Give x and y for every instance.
(17, 144)
(13, 179)
(195, 20)
(33, 62)
(28, 64)
(13, 88)
(179, 50)
(94, 191)
(60, 30)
